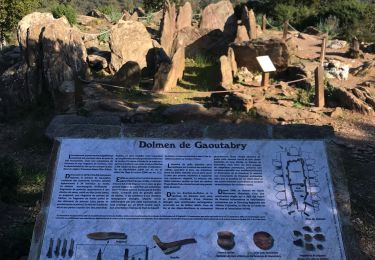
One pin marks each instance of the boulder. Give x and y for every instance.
(219, 16)
(248, 19)
(128, 76)
(364, 69)
(337, 44)
(168, 28)
(202, 42)
(167, 76)
(242, 35)
(370, 48)
(244, 75)
(129, 41)
(247, 52)
(336, 69)
(140, 12)
(97, 62)
(226, 72)
(184, 16)
(98, 14)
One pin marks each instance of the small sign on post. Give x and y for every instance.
(267, 66)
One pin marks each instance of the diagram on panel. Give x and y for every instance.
(296, 182)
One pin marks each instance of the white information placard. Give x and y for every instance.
(191, 199)
(266, 64)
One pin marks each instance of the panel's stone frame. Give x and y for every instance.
(231, 131)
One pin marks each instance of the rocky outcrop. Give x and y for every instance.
(247, 52)
(219, 16)
(168, 74)
(184, 16)
(54, 57)
(168, 28)
(357, 99)
(129, 41)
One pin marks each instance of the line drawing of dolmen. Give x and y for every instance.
(296, 182)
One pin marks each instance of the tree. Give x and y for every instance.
(11, 11)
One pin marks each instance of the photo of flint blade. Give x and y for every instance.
(172, 247)
(106, 235)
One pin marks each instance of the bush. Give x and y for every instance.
(11, 11)
(65, 10)
(113, 12)
(331, 26)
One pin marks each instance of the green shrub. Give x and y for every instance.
(331, 26)
(9, 179)
(65, 10)
(11, 11)
(103, 36)
(110, 10)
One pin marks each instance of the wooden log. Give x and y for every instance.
(285, 31)
(264, 23)
(319, 86)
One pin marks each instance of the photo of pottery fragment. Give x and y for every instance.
(263, 240)
(225, 239)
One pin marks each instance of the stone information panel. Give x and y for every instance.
(191, 199)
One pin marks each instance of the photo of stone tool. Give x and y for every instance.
(172, 247)
(71, 248)
(99, 255)
(225, 239)
(64, 248)
(50, 248)
(57, 249)
(106, 235)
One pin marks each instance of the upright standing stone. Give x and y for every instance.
(167, 75)
(226, 71)
(168, 28)
(184, 16)
(248, 19)
(242, 35)
(232, 60)
(218, 16)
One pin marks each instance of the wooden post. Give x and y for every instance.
(319, 86)
(264, 22)
(285, 31)
(323, 51)
(265, 79)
